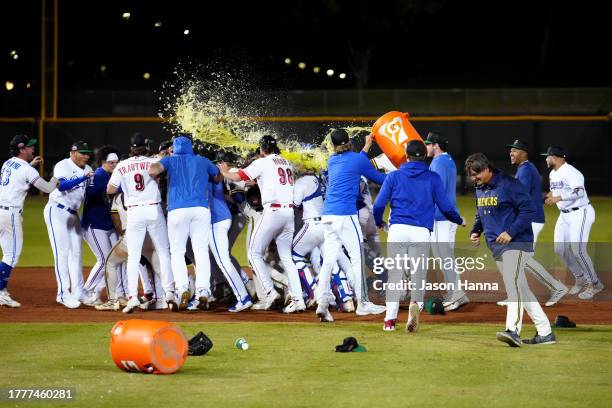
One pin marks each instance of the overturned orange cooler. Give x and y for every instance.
(391, 132)
(148, 346)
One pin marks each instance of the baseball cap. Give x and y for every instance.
(557, 151)
(339, 137)
(416, 148)
(267, 140)
(519, 144)
(350, 344)
(20, 141)
(166, 144)
(81, 147)
(138, 139)
(435, 137)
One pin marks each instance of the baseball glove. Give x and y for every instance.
(199, 345)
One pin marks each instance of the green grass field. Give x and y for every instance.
(37, 251)
(294, 365)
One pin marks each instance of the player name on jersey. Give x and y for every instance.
(130, 167)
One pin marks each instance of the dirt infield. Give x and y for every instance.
(35, 289)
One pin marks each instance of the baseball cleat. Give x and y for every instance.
(580, 284)
(185, 296)
(122, 301)
(69, 302)
(462, 301)
(147, 301)
(6, 300)
(88, 299)
(323, 313)
(270, 299)
(503, 303)
(160, 304)
(389, 325)
(132, 304)
(412, 325)
(348, 306)
(591, 290)
(193, 305)
(241, 305)
(295, 306)
(171, 301)
(548, 339)
(368, 308)
(509, 337)
(203, 303)
(556, 296)
(311, 302)
(261, 305)
(111, 304)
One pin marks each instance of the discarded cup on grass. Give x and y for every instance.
(241, 344)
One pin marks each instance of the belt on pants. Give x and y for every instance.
(141, 205)
(276, 205)
(63, 207)
(10, 208)
(569, 210)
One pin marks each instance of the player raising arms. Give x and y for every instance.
(18, 173)
(142, 199)
(342, 228)
(275, 178)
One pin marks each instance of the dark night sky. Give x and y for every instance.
(414, 44)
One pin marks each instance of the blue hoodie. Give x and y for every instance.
(445, 167)
(343, 178)
(188, 176)
(504, 205)
(414, 191)
(530, 177)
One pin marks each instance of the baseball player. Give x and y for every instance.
(415, 193)
(188, 216)
(504, 214)
(275, 177)
(219, 245)
(530, 177)
(17, 174)
(443, 234)
(64, 226)
(574, 223)
(345, 169)
(144, 215)
(96, 223)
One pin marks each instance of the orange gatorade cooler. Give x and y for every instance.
(148, 346)
(391, 132)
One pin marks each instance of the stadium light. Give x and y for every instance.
(9, 85)
(14, 54)
(146, 75)
(330, 72)
(316, 70)
(158, 24)
(186, 32)
(102, 68)
(288, 61)
(302, 65)
(28, 85)
(126, 15)
(342, 75)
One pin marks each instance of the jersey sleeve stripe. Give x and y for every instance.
(244, 176)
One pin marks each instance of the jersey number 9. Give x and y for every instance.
(139, 180)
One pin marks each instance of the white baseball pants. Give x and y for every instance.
(443, 247)
(194, 223)
(413, 241)
(536, 269)
(11, 235)
(64, 229)
(100, 242)
(512, 268)
(219, 245)
(571, 238)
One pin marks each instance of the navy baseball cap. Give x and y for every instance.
(519, 144)
(339, 137)
(21, 141)
(81, 147)
(416, 148)
(557, 151)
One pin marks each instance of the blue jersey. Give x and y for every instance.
(188, 176)
(504, 205)
(528, 174)
(444, 166)
(96, 210)
(218, 207)
(344, 173)
(413, 191)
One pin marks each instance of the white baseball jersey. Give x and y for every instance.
(307, 192)
(117, 207)
(133, 176)
(364, 191)
(68, 170)
(568, 183)
(15, 180)
(274, 176)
